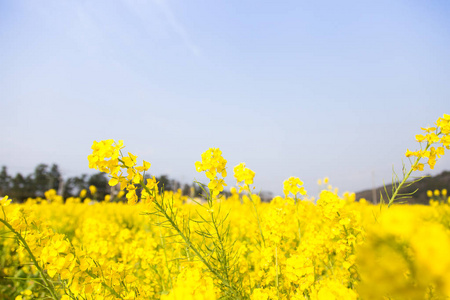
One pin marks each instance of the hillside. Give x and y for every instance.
(441, 181)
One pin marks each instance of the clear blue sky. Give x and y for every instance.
(292, 88)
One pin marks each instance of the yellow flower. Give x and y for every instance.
(419, 167)
(151, 183)
(130, 160)
(259, 294)
(216, 186)
(432, 138)
(241, 173)
(334, 290)
(445, 141)
(120, 194)
(131, 194)
(113, 181)
(5, 201)
(145, 166)
(410, 153)
(105, 156)
(213, 164)
(293, 185)
(92, 189)
(83, 193)
(420, 138)
(429, 129)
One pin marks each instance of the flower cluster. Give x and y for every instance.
(337, 250)
(171, 247)
(107, 157)
(438, 197)
(96, 257)
(293, 185)
(242, 173)
(432, 135)
(214, 166)
(109, 248)
(5, 201)
(405, 255)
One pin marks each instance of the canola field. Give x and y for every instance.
(155, 244)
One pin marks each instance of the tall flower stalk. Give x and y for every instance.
(216, 251)
(433, 143)
(47, 283)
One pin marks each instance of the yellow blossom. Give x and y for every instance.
(293, 185)
(92, 189)
(5, 201)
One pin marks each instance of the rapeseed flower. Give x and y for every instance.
(293, 185)
(5, 201)
(243, 174)
(214, 165)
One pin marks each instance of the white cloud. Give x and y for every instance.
(145, 12)
(177, 26)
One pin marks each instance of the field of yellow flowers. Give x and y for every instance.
(162, 245)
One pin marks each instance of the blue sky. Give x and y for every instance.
(292, 88)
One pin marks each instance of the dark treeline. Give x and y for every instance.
(20, 187)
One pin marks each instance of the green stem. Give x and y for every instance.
(276, 266)
(257, 217)
(298, 220)
(186, 239)
(405, 178)
(110, 289)
(224, 259)
(33, 258)
(163, 243)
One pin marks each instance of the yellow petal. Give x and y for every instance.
(113, 181)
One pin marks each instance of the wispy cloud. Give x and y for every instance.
(177, 26)
(165, 18)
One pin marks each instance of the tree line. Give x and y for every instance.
(21, 187)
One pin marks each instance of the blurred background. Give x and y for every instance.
(292, 88)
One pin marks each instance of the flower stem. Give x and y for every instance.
(48, 285)
(405, 178)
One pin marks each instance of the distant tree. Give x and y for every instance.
(74, 185)
(198, 192)
(5, 181)
(40, 180)
(18, 182)
(186, 190)
(22, 188)
(100, 181)
(266, 196)
(163, 182)
(54, 177)
(174, 185)
(45, 179)
(68, 188)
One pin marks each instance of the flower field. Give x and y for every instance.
(163, 245)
